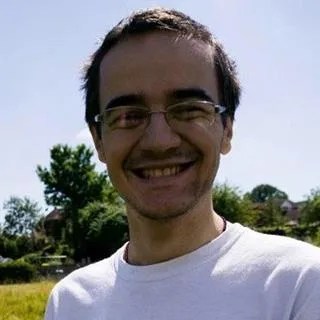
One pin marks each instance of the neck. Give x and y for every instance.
(153, 241)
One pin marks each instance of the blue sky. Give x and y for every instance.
(276, 45)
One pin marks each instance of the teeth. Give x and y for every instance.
(151, 173)
(173, 171)
(157, 172)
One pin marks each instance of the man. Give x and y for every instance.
(161, 94)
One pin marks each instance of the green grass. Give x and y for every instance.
(24, 301)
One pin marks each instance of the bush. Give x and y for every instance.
(16, 271)
(105, 229)
(229, 202)
(8, 248)
(32, 258)
(15, 246)
(305, 232)
(316, 239)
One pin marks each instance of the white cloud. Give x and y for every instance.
(84, 136)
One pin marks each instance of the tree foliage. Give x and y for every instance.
(270, 215)
(305, 232)
(105, 228)
(22, 216)
(16, 271)
(229, 202)
(265, 192)
(71, 183)
(316, 239)
(311, 211)
(71, 179)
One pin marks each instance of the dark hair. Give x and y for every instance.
(161, 19)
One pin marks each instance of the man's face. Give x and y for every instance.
(161, 172)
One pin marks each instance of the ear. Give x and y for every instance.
(227, 136)
(97, 143)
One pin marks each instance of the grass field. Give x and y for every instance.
(24, 301)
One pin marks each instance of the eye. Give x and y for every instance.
(190, 111)
(125, 117)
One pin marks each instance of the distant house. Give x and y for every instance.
(54, 223)
(292, 210)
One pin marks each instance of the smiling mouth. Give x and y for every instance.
(169, 171)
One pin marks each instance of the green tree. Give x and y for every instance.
(265, 192)
(21, 217)
(71, 178)
(269, 215)
(8, 247)
(229, 202)
(311, 211)
(71, 182)
(316, 239)
(105, 228)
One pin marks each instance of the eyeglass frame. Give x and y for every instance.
(219, 109)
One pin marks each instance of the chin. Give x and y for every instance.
(163, 216)
(165, 212)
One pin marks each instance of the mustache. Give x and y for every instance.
(148, 156)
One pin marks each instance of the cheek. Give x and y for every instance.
(209, 144)
(207, 139)
(117, 148)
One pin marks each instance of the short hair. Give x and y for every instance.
(161, 19)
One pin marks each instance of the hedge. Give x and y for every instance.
(16, 271)
(304, 232)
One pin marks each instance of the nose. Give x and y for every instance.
(158, 136)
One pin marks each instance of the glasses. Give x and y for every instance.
(187, 112)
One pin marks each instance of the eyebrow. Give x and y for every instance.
(176, 95)
(125, 100)
(190, 93)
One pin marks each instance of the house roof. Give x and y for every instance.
(55, 214)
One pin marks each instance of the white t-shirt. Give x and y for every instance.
(241, 275)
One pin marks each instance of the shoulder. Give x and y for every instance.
(81, 291)
(88, 280)
(274, 262)
(275, 243)
(279, 252)
(283, 270)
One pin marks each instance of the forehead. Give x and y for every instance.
(154, 64)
